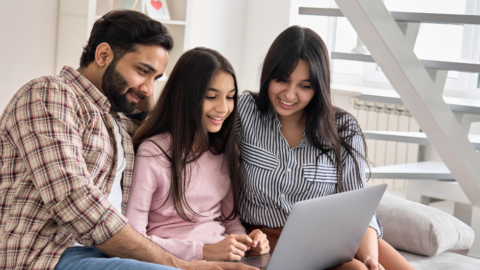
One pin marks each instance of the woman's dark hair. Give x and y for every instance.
(321, 128)
(123, 30)
(179, 112)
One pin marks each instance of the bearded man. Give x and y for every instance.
(67, 157)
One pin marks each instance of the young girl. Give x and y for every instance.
(295, 145)
(186, 182)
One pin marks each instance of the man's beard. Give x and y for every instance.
(113, 83)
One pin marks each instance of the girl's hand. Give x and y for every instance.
(373, 264)
(232, 248)
(260, 243)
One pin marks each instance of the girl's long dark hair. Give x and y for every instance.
(179, 112)
(321, 128)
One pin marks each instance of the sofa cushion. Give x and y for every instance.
(421, 229)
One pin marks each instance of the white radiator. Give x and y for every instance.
(376, 116)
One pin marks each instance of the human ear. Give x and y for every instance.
(103, 54)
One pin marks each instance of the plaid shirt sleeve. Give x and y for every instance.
(46, 130)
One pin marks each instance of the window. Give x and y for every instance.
(434, 42)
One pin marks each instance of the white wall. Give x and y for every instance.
(264, 20)
(28, 33)
(219, 24)
(242, 30)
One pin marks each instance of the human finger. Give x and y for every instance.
(235, 255)
(262, 248)
(237, 252)
(265, 246)
(245, 241)
(257, 236)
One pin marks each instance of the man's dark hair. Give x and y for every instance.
(123, 30)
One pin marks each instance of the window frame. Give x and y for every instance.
(465, 86)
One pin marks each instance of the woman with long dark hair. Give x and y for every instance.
(186, 183)
(295, 145)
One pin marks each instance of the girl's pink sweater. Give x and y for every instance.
(208, 194)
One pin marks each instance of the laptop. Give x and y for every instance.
(323, 232)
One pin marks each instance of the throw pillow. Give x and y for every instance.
(421, 229)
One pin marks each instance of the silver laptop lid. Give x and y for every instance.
(327, 231)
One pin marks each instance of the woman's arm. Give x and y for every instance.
(353, 168)
(368, 248)
(148, 177)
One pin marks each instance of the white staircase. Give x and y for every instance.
(411, 137)
(417, 170)
(418, 84)
(460, 105)
(401, 16)
(463, 66)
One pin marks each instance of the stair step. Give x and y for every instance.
(461, 65)
(462, 105)
(419, 170)
(402, 16)
(411, 137)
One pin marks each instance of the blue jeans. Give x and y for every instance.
(83, 258)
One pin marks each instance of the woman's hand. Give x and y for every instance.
(373, 264)
(232, 248)
(260, 243)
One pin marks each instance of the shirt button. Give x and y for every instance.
(282, 196)
(289, 170)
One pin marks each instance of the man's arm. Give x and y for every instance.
(128, 243)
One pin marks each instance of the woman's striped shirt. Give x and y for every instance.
(275, 176)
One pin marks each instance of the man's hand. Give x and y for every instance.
(204, 265)
(260, 243)
(232, 248)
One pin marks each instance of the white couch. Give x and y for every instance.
(444, 261)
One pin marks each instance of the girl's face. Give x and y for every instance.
(219, 101)
(289, 96)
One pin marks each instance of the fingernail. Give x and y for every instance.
(255, 243)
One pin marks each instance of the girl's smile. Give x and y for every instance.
(219, 101)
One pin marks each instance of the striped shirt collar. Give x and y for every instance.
(91, 91)
(273, 115)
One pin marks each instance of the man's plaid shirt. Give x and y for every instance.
(57, 166)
